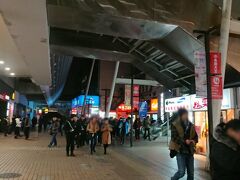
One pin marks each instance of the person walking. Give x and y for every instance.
(182, 145)
(69, 128)
(81, 131)
(53, 132)
(146, 125)
(92, 129)
(27, 127)
(225, 151)
(106, 134)
(137, 126)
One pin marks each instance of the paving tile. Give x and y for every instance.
(33, 160)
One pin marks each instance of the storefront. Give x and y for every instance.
(197, 108)
(123, 111)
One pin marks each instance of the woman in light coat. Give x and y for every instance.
(106, 135)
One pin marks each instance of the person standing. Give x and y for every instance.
(137, 126)
(146, 125)
(182, 144)
(17, 127)
(122, 130)
(92, 129)
(53, 132)
(225, 151)
(106, 134)
(69, 128)
(27, 127)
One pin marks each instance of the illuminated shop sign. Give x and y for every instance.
(90, 100)
(174, 104)
(193, 103)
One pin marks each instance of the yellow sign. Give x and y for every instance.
(154, 104)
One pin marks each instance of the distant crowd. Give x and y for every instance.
(78, 131)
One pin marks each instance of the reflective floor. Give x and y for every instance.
(33, 160)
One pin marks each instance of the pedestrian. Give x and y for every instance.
(69, 128)
(106, 134)
(27, 127)
(182, 145)
(53, 132)
(92, 129)
(146, 125)
(225, 151)
(137, 127)
(81, 131)
(17, 127)
(122, 130)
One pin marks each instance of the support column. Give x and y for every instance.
(223, 48)
(131, 121)
(87, 89)
(159, 107)
(112, 90)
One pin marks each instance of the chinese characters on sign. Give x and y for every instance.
(216, 77)
(217, 87)
(215, 63)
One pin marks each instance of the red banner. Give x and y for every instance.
(217, 87)
(215, 63)
(136, 90)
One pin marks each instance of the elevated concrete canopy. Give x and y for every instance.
(26, 22)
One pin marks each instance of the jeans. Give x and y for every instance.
(147, 133)
(93, 140)
(184, 161)
(54, 140)
(137, 134)
(70, 143)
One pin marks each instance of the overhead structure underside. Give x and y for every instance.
(155, 36)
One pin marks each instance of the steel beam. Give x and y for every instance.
(91, 53)
(138, 82)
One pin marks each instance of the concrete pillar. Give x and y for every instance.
(223, 48)
(112, 89)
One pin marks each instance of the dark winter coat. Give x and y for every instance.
(225, 157)
(179, 134)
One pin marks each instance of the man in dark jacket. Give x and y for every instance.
(69, 128)
(183, 140)
(225, 151)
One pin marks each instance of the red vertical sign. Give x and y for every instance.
(215, 63)
(217, 87)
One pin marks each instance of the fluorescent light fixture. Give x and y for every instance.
(7, 68)
(12, 74)
(1, 62)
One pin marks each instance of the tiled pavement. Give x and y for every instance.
(33, 160)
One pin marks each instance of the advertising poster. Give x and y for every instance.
(215, 63)
(127, 96)
(200, 73)
(217, 87)
(143, 109)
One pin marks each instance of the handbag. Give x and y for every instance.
(173, 153)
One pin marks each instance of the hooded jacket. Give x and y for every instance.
(225, 156)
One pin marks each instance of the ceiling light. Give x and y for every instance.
(1, 62)
(12, 74)
(7, 68)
